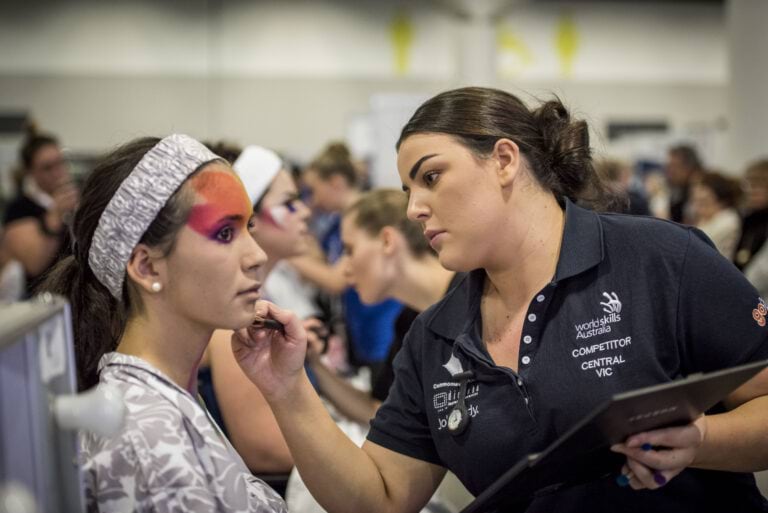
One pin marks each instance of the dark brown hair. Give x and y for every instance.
(757, 172)
(727, 190)
(388, 207)
(335, 159)
(98, 318)
(688, 156)
(555, 147)
(226, 150)
(33, 142)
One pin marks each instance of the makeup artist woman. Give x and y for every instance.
(562, 307)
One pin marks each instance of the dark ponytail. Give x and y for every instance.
(556, 147)
(98, 318)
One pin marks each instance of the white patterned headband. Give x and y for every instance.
(137, 202)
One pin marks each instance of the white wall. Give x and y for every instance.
(645, 42)
(292, 74)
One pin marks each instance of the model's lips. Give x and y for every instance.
(253, 290)
(431, 234)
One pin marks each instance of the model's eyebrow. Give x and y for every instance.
(417, 165)
(232, 217)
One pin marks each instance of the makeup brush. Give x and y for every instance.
(267, 324)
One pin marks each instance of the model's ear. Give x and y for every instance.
(147, 268)
(506, 153)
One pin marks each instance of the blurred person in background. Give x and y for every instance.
(713, 202)
(36, 220)
(655, 185)
(12, 282)
(280, 229)
(385, 255)
(617, 176)
(683, 170)
(332, 181)
(754, 226)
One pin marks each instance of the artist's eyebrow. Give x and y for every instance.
(417, 165)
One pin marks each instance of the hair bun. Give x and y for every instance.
(31, 129)
(566, 154)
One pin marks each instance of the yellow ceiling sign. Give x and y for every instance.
(401, 34)
(515, 54)
(566, 43)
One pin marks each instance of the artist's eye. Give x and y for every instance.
(430, 178)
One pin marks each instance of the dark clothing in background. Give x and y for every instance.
(754, 231)
(382, 382)
(23, 207)
(678, 198)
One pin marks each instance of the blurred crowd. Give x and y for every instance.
(731, 208)
(300, 213)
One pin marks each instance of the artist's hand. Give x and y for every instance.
(272, 359)
(655, 457)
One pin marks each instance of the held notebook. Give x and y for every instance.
(582, 454)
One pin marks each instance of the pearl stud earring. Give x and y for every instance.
(157, 286)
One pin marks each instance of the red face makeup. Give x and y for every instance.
(225, 204)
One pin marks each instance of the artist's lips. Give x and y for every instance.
(251, 291)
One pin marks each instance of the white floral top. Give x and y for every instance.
(169, 456)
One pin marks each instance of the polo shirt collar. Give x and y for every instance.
(581, 249)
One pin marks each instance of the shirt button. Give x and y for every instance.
(519, 382)
(526, 400)
(540, 298)
(526, 360)
(527, 339)
(532, 317)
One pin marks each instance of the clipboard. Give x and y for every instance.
(582, 454)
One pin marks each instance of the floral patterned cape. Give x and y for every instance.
(169, 455)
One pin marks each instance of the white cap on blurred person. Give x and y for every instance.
(257, 167)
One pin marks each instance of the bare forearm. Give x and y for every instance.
(263, 458)
(30, 246)
(737, 441)
(351, 402)
(325, 276)
(340, 475)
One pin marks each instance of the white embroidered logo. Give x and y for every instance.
(613, 305)
(445, 395)
(600, 325)
(602, 357)
(453, 365)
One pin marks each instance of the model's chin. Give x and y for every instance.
(242, 321)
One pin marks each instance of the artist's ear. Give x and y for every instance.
(506, 155)
(147, 268)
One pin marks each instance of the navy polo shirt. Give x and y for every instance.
(635, 301)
